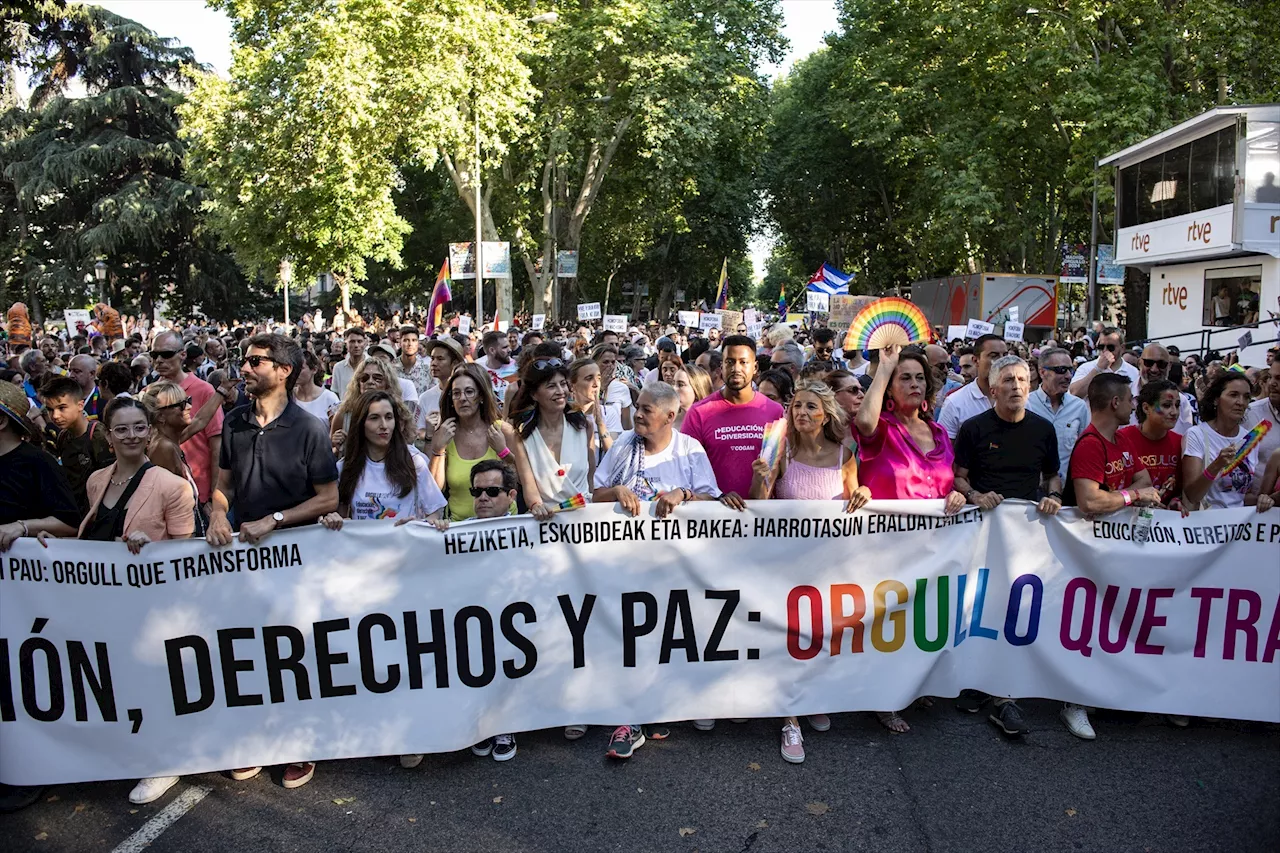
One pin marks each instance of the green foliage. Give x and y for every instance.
(933, 137)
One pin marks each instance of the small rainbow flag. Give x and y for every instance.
(722, 288)
(575, 502)
(775, 437)
(1251, 439)
(439, 296)
(782, 301)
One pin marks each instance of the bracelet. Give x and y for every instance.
(968, 496)
(1208, 476)
(1056, 495)
(506, 451)
(1128, 498)
(686, 495)
(26, 531)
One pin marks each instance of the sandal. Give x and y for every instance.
(893, 722)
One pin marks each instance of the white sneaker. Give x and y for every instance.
(1178, 720)
(704, 725)
(411, 760)
(1076, 719)
(150, 790)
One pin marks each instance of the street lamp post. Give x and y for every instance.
(286, 276)
(100, 273)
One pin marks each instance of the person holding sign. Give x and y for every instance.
(903, 454)
(820, 463)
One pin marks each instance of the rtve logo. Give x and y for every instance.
(1174, 295)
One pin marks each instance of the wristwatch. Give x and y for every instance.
(278, 518)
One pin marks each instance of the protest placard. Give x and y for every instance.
(589, 311)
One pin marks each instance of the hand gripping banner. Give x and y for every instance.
(381, 640)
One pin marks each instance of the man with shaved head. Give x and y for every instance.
(168, 357)
(1153, 366)
(84, 370)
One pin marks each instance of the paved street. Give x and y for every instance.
(952, 784)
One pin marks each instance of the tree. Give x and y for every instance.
(100, 176)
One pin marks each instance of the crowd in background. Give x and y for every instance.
(120, 431)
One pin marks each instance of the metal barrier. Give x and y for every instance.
(1205, 337)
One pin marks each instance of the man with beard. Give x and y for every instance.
(276, 469)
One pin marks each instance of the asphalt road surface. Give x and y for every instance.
(952, 784)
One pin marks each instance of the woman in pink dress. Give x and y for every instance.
(903, 454)
(819, 463)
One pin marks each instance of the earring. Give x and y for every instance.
(889, 405)
(924, 407)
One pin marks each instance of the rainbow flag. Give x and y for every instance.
(722, 289)
(782, 301)
(439, 296)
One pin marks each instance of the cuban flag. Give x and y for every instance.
(830, 281)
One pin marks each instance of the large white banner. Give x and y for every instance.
(378, 640)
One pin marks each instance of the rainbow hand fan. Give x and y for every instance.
(1251, 439)
(575, 502)
(775, 436)
(885, 322)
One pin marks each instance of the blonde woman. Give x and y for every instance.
(584, 384)
(692, 383)
(374, 374)
(819, 463)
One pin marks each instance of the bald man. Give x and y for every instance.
(1153, 365)
(84, 370)
(948, 379)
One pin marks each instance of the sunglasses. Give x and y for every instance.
(255, 361)
(157, 354)
(1154, 362)
(1061, 369)
(1109, 347)
(491, 491)
(181, 404)
(545, 363)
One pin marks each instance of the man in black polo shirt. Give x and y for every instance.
(276, 468)
(1007, 452)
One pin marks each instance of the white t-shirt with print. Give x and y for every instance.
(1228, 490)
(682, 464)
(322, 407)
(375, 497)
(616, 398)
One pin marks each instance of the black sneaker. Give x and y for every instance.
(1007, 717)
(970, 701)
(482, 748)
(625, 740)
(15, 797)
(504, 747)
(656, 731)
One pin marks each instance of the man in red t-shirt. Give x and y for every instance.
(1153, 441)
(1105, 475)
(203, 448)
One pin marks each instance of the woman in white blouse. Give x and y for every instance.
(557, 451)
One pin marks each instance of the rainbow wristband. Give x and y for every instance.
(1128, 498)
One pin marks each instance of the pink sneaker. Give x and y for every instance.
(792, 744)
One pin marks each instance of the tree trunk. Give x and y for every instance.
(344, 288)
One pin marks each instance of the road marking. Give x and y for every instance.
(150, 831)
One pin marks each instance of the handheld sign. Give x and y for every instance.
(689, 319)
(755, 330)
(749, 316)
(709, 321)
(589, 311)
(1013, 313)
(1012, 331)
(977, 329)
(817, 302)
(464, 325)
(956, 333)
(615, 323)
(75, 315)
(539, 320)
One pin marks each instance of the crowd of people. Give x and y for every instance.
(193, 430)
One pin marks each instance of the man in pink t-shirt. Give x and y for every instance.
(201, 449)
(730, 423)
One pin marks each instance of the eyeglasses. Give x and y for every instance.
(134, 429)
(1155, 362)
(181, 404)
(464, 393)
(157, 354)
(491, 491)
(255, 361)
(1060, 369)
(544, 363)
